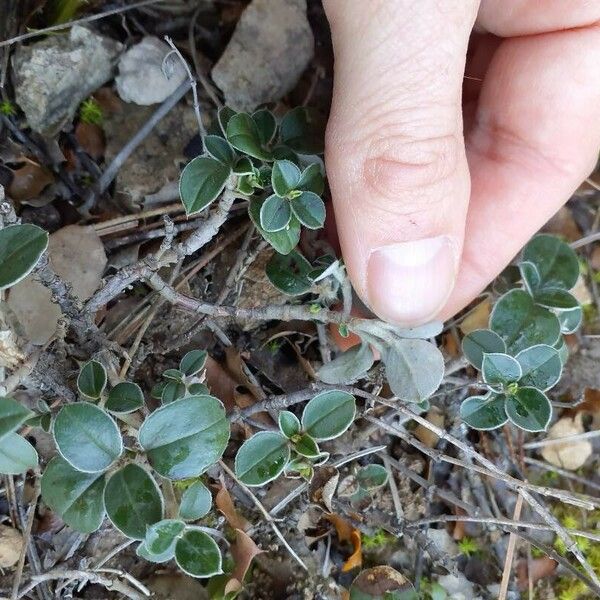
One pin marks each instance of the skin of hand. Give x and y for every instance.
(457, 129)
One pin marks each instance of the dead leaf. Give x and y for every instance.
(238, 369)
(377, 581)
(478, 318)
(243, 551)
(323, 486)
(224, 503)
(430, 439)
(589, 406)
(313, 524)
(540, 568)
(221, 383)
(11, 544)
(29, 180)
(347, 533)
(77, 255)
(569, 455)
(91, 139)
(450, 344)
(582, 292)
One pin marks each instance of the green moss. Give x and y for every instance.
(91, 112)
(376, 541)
(468, 546)
(7, 108)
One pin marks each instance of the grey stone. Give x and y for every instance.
(141, 78)
(54, 76)
(270, 48)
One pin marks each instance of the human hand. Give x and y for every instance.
(445, 155)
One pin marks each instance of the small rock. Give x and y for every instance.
(458, 587)
(141, 78)
(443, 542)
(11, 544)
(271, 46)
(53, 76)
(77, 255)
(570, 455)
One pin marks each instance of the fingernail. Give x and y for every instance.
(408, 283)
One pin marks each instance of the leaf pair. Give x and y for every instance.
(181, 382)
(17, 455)
(266, 454)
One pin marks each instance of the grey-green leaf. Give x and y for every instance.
(484, 412)
(556, 262)
(275, 213)
(556, 299)
(414, 369)
(329, 414)
(289, 424)
(309, 210)
(531, 276)
(196, 501)
(193, 362)
(87, 437)
(570, 320)
(541, 366)
(224, 115)
(372, 476)
(75, 496)
(201, 182)
(197, 554)
(133, 501)
(283, 241)
(312, 180)
(348, 366)
(125, 397)
(171, 391)
(12, 415)
(220, 150)
(285, 177)
(21, 247)
(306, 446)
(243, 134)
(262, 458)
(290, 273)
(522, 323)
(529, 409)
(143, 552)
(500, 369)
(92, 379)
(480, 342)
(184, 438)
(160, 536)
(302, 130)
(266, 124)
(17, 455)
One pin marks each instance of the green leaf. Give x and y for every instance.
(21, 247)
(309, 210)
(17, 455)
(184, 438)
(372, 476)
(563, 350)
(220, 150)
(201, 182)
(198, 389)
(262, 458)
(143, 552)
(522, 323)
(480, 342)
(275, 213)
(349, 366)
(157, 390)
(328, 414)
(556, 262)
(302, 130)
(382, 583)
(266, 124)
(289, 424)
(172, 390)
(223, 116)
(87, 437)
(125, 397)
(160, 537)
(500, 369)
(414, 369)
(92, 379)
(530, 275)
(306, 446)
(196, 502)
(312, 180)
(12, 415)
(529, 409)
(197, 554)
(283, 241)
(484, 412)
(285, 177)
(290, 273)
(133, 501)
(174, 374)
(244, 166)
(541, 366)
(244, 135)
(556, 298)
(570, 320)
(76, 497)
(193, 362)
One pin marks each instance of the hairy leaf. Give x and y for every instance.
(201, 182)
(193, 362)
(541, 366)
(556, 262)
(302, 130)
(283, 241)
(12, 415)
(372, 476)
(570, 320)
(197, 554)
(266, 125)
(92, 379)
(309, 209)
(306, 446)
(500, 369)
(484, 412)
(290, 273)
(125, 397)
(275, 213)
(244, 135)
(285, 177)
(262, 458)
(21, 247)
(328, 414)
(348, 366)
(196, 502)
(161, 536)
(289, 424)
(529, 409)
(17, 455)
(220, 150)
(480, 342)
(312, 180)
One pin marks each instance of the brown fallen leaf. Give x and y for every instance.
(540, 568)
(347, 533)
(568, 455)
(224, 503)
(430, 439)
(91, 139)
(29, 180)
(243, 551)
(11, 544)
(478, 318)
(323, 486)
(377, 581)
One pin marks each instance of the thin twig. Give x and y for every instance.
(586, 435)
(512, 540)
